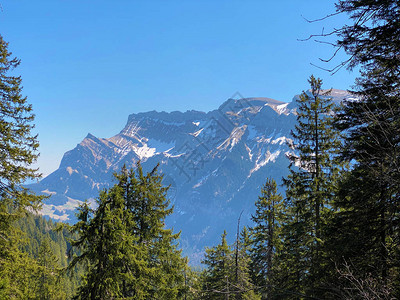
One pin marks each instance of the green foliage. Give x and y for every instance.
(123, 243)
(227, 275)
(310, 191)
(147, 203)
(105, 245)
(218, 275)
(18, 151)
(364, 230)
(265, 239)
(49, 274)
(245, 286)
(18, 276)
(46, 247)
(18, 147)
(371, 41)
(26, 277)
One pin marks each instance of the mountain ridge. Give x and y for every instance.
(215, 162)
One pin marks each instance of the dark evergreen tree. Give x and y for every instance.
(18, 148)
(246, 286)
(365, 229)
(371, 40)
(310, 190)
(227, 275)
(146, 200)
(124, 243)
(218, 277)
(51, 281)
(266, 237)
(105, 246)
(34, 230)
(18, 145)
(19, 272)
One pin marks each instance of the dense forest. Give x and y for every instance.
(334, 234)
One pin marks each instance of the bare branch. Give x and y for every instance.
(323, 18)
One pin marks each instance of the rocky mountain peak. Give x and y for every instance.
(215, 162)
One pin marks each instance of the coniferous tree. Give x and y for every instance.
(146, 200)
(266, 236)
(227, 276)
(247, 287)
(372, 40)
(218, 276)
(105, 246)
(34, 230)
(18, 145)
(364, 229)
(124, 243)
(369, 196)
(49, 274)
(18, 151)
(193, 283)
(310, 191)
(19, 272)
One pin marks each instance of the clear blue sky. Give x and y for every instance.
(87, 65)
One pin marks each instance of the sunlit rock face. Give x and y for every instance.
(215, 162)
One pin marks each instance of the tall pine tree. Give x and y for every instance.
(227, 275)
(368, 218)
(104, 245)
(218, 277)
(266, 237)
(310, 190)
(146, 200)
(18, 148)
(124, 243)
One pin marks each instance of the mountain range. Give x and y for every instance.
(215, 163)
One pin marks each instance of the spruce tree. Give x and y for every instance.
(310, 190)
(146, 200)
(265, 241)
(227, 275)
(19, 272)
(18, 148)
(105, 246)
(49, 274)
(247, 287)
(366, 224)
(218, 277)
(371, 40)
(127, 250)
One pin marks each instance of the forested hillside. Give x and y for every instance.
(47, 247)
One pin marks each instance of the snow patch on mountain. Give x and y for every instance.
(48, 192)
(201, 181)
(233, 138)
(70, 170)
(144, 151)
(249, 152)
(282, 108)
(169, 123)
(281, 140)
(263, 160)
(132, 130)
(61, 212)
(196, 133)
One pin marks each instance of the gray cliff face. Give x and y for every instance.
(215, 162)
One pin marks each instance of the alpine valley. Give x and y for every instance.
(214, 162)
